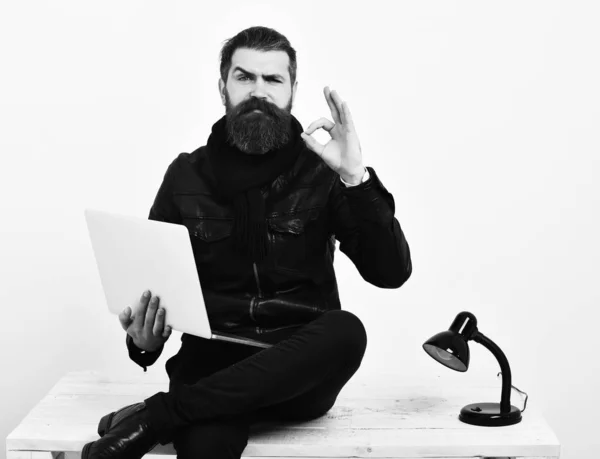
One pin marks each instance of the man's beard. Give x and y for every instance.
(257, 133)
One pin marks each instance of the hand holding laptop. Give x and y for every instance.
(133, 253)
(147, 326)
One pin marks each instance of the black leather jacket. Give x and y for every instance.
(307, 209)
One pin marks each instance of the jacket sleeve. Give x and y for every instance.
(163, 209)
(142, 358)
(364, 223)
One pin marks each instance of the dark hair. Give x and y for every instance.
(261, 39)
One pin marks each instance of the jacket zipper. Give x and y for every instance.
(257, 280)
(252, 308)
(254, 300)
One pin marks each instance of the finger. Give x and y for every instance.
(348, 116)
(125, 318)
(167, 332)
(335, 113)
(338, 103)
(140, 315)
(313, 144)
(324, 123)
(151, 313)
(159, 322)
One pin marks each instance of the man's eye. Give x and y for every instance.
(242, 77)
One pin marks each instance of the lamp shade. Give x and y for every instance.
(450, 349)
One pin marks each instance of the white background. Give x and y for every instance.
(480, 117)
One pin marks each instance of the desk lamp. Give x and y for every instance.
(451, 349)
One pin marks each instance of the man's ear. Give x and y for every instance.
(222, 90)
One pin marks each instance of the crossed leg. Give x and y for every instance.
(216, 439)
(297, 379)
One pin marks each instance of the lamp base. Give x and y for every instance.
(488, 414)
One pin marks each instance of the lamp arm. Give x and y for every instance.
(480, 338)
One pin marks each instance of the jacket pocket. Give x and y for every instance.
(208, 234)
(211, 230)
(289, 236)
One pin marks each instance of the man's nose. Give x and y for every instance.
(259, 89)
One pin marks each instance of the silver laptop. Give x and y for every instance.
(134, 254)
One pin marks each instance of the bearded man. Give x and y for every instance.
(264, 204)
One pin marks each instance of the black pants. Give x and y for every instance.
(218, 389)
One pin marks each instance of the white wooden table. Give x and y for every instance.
(375, 417)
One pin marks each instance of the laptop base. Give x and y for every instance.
(237, 339)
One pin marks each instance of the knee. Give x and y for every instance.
(212, 439)
(350, 331)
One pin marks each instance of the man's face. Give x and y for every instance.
(258, 100)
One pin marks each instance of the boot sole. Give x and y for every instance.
(104, 424)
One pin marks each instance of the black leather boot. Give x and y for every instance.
(112, 419)
(130, 436)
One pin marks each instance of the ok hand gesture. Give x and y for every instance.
(342, 153)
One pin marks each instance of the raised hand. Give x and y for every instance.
(342, 153)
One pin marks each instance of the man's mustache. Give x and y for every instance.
(255, 103)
